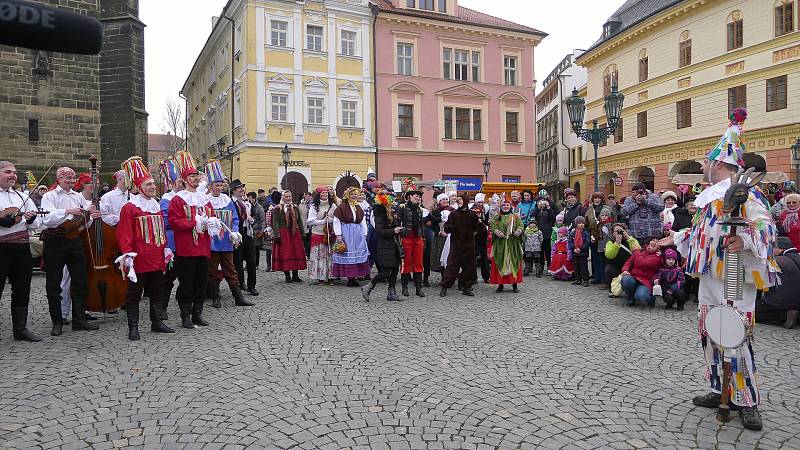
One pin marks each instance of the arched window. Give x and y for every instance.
(784, 17)
(644, 67)
(685, 50)
(735, 30)
(610, 78)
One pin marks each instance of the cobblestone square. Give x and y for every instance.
(556, 366)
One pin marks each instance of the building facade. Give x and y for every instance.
(62, 108)
(302, 78)
(555, 141)
(454, 88)
(683, 65)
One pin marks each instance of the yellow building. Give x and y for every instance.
(683, 65)
(302, 77)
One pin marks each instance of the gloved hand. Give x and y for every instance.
(214, 227)
(200, 223)
(236, 238)
(126, 262)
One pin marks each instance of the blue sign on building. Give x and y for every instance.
(467, 183)
(510, 179)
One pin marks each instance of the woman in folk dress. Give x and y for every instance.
(320, 219)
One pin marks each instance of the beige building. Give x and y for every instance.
(683, 65)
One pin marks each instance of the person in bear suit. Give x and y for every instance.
(462, 225)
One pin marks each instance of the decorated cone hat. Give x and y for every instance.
(213, 171)
(170, 172)
(730, 148)
(185, 163)
(136, 170)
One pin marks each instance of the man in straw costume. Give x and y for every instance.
(704, 246)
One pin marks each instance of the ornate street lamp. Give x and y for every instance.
(576, 107)
(796, 161)
(486, 166)
(286, 154)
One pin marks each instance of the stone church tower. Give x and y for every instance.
(62, 108)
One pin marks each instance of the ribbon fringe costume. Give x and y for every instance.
(222, 245)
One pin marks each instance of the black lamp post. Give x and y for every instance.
(225, 152)
(796, 161)
(286, 154)
(576, 107)
(486, 166)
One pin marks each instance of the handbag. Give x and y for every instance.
(401, 254)
(616, 285)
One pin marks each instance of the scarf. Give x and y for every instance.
(531, 230)
(344, 213)
(791, 220)
(578, 238)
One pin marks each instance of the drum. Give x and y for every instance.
(726, 327)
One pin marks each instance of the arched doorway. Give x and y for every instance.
(607, 182)
(686, 167)
(297, 183)
(756, 161)
(346, 180)
(644, 175)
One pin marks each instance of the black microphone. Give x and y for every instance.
(26, 24)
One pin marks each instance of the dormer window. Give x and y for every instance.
(610, 28)
(427, 5)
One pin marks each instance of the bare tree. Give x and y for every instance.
(174, 126)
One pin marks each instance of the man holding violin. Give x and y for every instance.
(66, 208)
(18, 214)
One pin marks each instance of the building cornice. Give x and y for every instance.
(645, 27)
(481, 30)
(721, 60)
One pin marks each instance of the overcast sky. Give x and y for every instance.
(177, 29)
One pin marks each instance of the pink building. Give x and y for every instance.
(454, 87)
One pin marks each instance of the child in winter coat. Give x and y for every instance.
(671, 281)
(578, 244)
(560, 257)
(556, 227)
(533, 248)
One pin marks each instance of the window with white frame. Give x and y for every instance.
(314, 38)
(447, 62)
(476, 66)
(405, 58)
(461, 65)
(349, 113)
(280, 105)
(510, 70)
(223, 58)
(348, 42)
(468, 123)
(316, 110)
(279, 30)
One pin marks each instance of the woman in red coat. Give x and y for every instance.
(790, 219)
(639, 271)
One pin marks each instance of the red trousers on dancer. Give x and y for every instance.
(414, 248)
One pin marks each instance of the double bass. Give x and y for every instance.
(107, 287)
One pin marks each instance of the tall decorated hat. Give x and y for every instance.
(136, 170)
(170, 172)
(213, 171)
(730, 148)
(185, 163)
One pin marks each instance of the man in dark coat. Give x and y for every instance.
(462, 224)
(783, 298)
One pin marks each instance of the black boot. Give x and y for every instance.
(186, 315)
(404, 280)
(791, 319)
(367, 289)
(79, 316)
(296, 277)
(197, 315)
(82, 324)
(19, 319)
(133, 330)
(238, 298)
(57, 328)
(216, 301)
(392, 295)
(425, 282)
(418, 284)
(499, 289)
(158, 326)
(539, 270)
(468, 292)
(288, 276)
(443, 292)
(514, 288)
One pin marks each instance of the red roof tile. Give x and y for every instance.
(463, 15)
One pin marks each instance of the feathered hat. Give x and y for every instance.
(170, 172)
(185, 163)
(730, 148)
(136, 171)
(213, 170)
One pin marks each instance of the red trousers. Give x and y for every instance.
(413, 247)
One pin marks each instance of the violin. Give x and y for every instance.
(14, 213)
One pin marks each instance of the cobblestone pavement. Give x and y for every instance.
(556, 366)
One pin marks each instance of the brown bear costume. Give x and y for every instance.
(462, 224)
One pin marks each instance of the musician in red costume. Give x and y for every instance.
(191, 216)
(143, 243)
